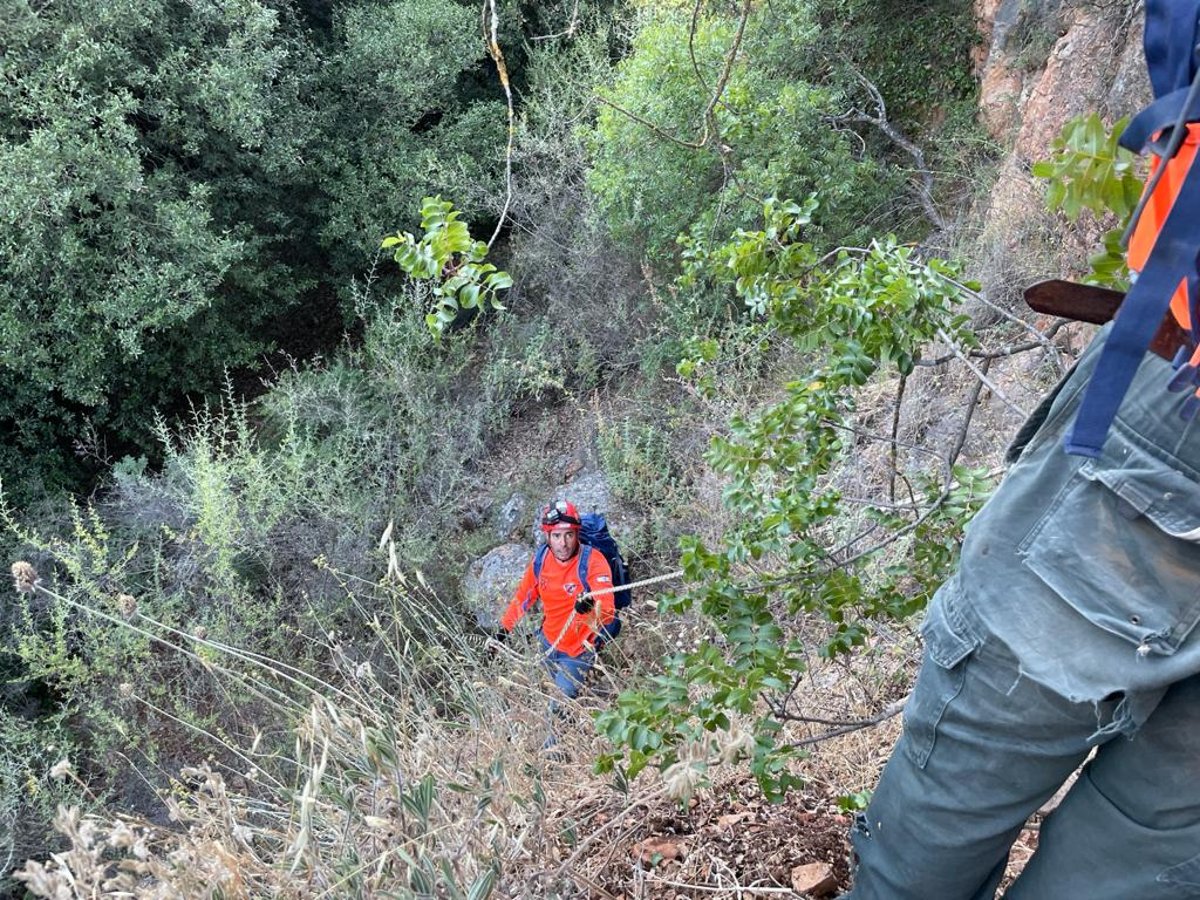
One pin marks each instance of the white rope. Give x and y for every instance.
(634, 584)
(609, 590)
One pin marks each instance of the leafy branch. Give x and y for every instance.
(854, 316)
(1089, 170)
(453, 262)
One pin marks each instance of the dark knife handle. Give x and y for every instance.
(1068, 300)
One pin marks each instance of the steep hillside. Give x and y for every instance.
(766, 267)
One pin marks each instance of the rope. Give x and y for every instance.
(609, 590)
(634, 584)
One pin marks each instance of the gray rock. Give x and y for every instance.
(491, 580)
(588, 491)
(510, 516)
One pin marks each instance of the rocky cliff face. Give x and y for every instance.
(1041, 63)
(1044, 61)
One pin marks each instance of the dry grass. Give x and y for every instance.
(423, 775)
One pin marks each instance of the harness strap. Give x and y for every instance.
(1173, 260)
(1160, 115)
(581, 568)
(539, 559)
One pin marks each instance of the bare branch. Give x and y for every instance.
(980, 374)
(892, 709)
(892, 451)
(879, 119)
(490, 35)
(569, 31)
(972, 404)
(691, 145)
(1003, 352)
(1043, 339)
(728, 70)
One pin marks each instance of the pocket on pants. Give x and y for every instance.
(1121, 545)
(948, 648)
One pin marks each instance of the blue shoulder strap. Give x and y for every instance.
(1170, 40)
(1172, 260)
(1172, 27)
(585, 556)
(539, 560)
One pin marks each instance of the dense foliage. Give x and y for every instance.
(709, 113)
(186, 185)
(861, 314)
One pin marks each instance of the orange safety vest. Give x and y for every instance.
(1155, 214)
(558, 586)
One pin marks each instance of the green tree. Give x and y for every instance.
(705, 117)
(852, 317)
(399, 121)
(140, 147)
(716, 107)
(180, 180)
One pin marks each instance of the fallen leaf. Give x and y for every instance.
(731, 819)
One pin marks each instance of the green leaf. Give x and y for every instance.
(468, 297)
(483, 886)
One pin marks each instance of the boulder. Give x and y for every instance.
(588, 491)
(491, 580)
(510, 517)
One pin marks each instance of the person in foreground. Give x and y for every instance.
(1070, 626)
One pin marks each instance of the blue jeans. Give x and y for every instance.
(1070, 625)
(569, 671)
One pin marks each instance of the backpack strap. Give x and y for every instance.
(539, 559)
(1171, 30)
(581, 568)
(1173, 260)
(1160, 115)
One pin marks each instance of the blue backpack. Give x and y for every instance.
(594, 534)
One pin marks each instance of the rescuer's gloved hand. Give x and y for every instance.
(584, 605)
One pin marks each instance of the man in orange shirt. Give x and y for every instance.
(574, 624)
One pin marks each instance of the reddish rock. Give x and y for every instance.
(814, 880)
(654, 850)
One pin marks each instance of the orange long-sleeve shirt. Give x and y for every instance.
(557, 588)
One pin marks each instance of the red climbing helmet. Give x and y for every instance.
(561, 514)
